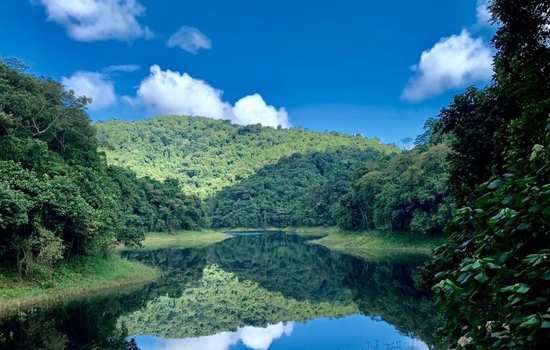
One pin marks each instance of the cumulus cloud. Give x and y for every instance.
(92, 85)
(453, 62)
(482, 12)
(94, 20)
(252, 109)
(189, 39)
(123, 68)
(170, 92)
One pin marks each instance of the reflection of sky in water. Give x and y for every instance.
(349, 333)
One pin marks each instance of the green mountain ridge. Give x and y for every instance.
(254, 176)
(207, 155)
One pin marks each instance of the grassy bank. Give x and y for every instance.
(182, 239)
(83, 277)
(375, 245)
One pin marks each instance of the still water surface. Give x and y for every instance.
(270, 291)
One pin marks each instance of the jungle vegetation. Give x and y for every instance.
(255, 176)
(206, 155)
(492, 277)
(58, 197)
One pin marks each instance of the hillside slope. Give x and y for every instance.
(299, 190)
(207, 155)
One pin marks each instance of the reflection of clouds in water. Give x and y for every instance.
(261, 338)
(256, 338)
(220, 341)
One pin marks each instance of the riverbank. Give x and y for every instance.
(86, 276)
(372, 245)
(180, 239)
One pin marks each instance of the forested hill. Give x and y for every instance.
(206, 155)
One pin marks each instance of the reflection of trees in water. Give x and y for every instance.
(223, 302)
(241, 281)
(285, 264)
(278, 262)
(388, 290)
(89, 324)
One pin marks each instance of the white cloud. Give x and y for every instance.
(482, 12)
(124, 68)
(170, 92)
(93, 85)
(453, 62)
(189, 39)
(252, 109)
(93, 20)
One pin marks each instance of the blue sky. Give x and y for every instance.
(351, 66)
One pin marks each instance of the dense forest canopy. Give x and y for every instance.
(406, 193)
(300, 190)
(492, 277)
(206, 155)
(58, 196)
(255, 176)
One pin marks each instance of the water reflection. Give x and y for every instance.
(272, 291)
(354, 332)
(257, 338)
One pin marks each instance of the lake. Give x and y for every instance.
(263, 291)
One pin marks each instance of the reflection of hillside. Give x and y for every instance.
(223, 302)
(276, 261)
(271, 278)
(284, 263)
(387, 290)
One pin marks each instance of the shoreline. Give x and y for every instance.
(90, 277)
(95, 276)
(369, 245)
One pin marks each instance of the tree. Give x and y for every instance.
(492, 277)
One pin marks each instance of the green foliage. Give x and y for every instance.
(492, 278)
(58, 198)
(258, 177)
(406, 193)
(475, 120)
(71, 280)
(156, 206)
(301, 190)
(206, 155)
(497, 277)
(380, 246)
